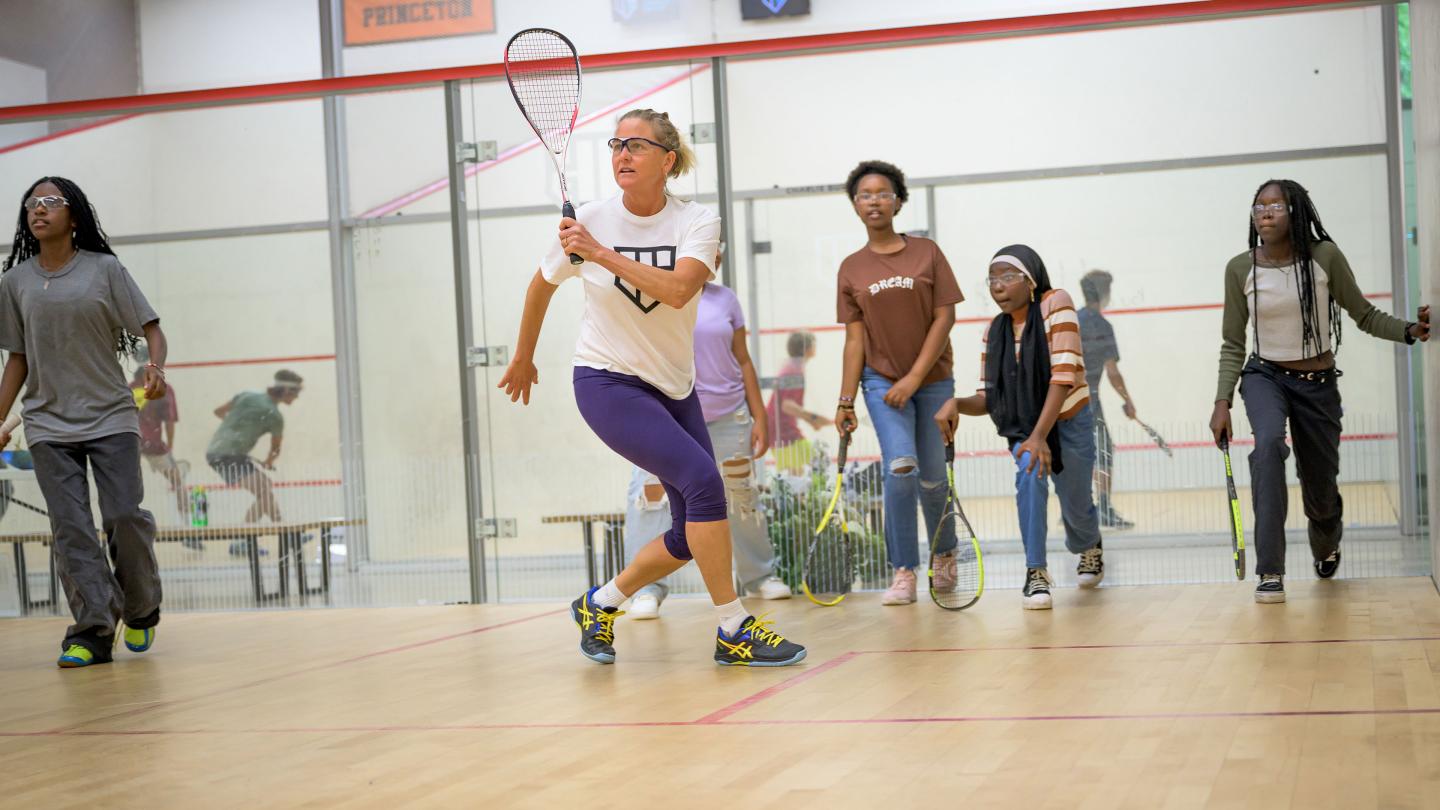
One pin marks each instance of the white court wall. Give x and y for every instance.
(190, 44)
(1020, 104)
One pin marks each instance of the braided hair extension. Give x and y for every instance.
(1305, 229)
(87, 235)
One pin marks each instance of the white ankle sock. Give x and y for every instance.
(608, 595)
(732, 615)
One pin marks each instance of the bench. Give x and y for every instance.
(291, 537)
(614, 542)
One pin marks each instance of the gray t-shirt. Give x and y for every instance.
(68, 324)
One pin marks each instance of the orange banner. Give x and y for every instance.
(368, 22)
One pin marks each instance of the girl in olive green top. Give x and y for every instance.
(1287, 290)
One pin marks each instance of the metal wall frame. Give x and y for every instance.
(341, 227)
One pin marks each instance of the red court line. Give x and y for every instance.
(1155, 310)
(764, 694)
(252, 361)
(515, 151)
(67, 132)
(1144, 645)
(307, 670)
(380, 82)
(850, 721)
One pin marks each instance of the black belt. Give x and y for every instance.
(1324, 375)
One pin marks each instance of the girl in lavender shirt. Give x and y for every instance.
(729, 392)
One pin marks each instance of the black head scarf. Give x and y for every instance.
(1015, 389)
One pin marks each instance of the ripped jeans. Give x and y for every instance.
(913, 455)
(647, 512)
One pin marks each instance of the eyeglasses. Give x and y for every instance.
(884, 196)
(1004, 279)
(1274, 208)
(49, 202)
(635, 146)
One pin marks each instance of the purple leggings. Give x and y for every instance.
(664, 437)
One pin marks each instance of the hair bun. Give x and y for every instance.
(665, 115)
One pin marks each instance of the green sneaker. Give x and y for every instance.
(139, 640)
(78, 655)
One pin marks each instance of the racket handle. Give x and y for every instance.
(950, 454)
(1224, 442)
(844, 449)
(568, 210)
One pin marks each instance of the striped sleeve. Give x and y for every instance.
(1062, 332)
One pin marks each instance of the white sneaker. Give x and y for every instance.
(644, 605)
(1091, 568)
(774, 588)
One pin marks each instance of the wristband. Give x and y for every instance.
(1409, 338)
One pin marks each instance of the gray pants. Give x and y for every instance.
(1312, 407)
(753, 554)
(98, 596)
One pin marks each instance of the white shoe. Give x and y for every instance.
(1091, 568)
(644, 605)
(775, 588)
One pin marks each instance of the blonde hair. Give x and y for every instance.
(667, 134)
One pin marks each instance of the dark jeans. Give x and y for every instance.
(98, 596)
(1312, 408)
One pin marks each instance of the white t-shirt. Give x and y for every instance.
(1276, 305)
(623, 329)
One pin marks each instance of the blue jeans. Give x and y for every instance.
(910, 441)
(1072, 487)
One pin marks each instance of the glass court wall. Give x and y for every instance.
(1132, 150)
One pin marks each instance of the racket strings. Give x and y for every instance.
(544, 75)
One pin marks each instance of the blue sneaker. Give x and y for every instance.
(756, 645)
(139, 640)
(597, 628)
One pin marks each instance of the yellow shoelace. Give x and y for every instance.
(761, 632)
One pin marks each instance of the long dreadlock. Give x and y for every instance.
(1305, 230)
(87, 235)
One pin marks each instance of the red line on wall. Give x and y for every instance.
(252, 361)
(1156, 310)
(380, 82)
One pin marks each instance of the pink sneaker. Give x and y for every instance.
(945, 567)
(902, 589)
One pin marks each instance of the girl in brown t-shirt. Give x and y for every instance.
(896, 297)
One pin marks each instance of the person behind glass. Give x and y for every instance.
(1289, 288)
(634, 377)
(68, 310)
(1102, 354)
(243, 420)
(896, 297)
(1034, 390)
(786, 408)
(729, 391)
(157, 420)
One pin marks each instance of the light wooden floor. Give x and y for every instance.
(1152, 697)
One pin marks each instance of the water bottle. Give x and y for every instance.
(199, 507)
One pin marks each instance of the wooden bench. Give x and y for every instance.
(291, 537)
(614, 542)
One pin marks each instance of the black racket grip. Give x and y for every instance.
(1224, 442)
(950, 455)
(844, 449)
(568, 210)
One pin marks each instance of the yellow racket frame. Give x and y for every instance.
(825, 521)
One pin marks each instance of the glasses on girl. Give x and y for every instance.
(1274, 208)
(636, 146)
(1004, 279)
(884, 196)
(49, 202)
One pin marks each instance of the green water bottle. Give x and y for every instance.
(199, 507)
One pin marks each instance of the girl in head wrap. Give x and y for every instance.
(1033, 376)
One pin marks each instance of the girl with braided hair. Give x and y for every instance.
(1289, 288)
(68, 310)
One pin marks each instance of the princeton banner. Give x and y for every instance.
(368, 22)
